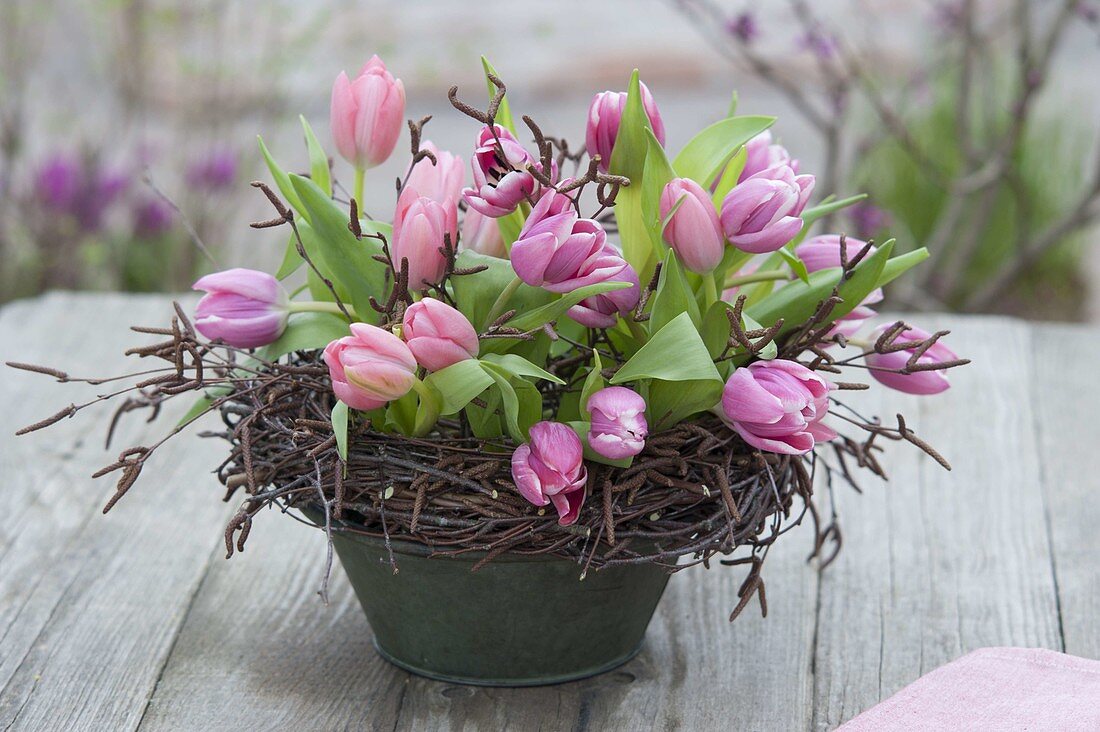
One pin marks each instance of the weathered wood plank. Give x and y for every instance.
(89, 605)
(936, 564)
(1065, 403)
(259, 650)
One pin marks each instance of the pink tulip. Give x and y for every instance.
(762, 214)
(367, 114)
(603, 310)
(438, 335)
(370, 367)
(918, 382)
(419, 227)
(694, 231)
(561, 252)
(777, 406)
(550, 469)
(501, 178)
(619, 426)
(823, 252)
(441, 181)
(482, 234)
(242, 307)
(761, 153)
(605, 114)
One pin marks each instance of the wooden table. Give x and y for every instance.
(135, 621)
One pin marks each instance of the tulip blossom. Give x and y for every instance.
(242, 307)
(559, 251)
(501, 178)
(482, 234)
(438, 335)
(550, 469)
(761, 153)
(367, 114)
(601, 311)
(693, 231)
(619, 426)
(823, 252)
(440, 181)
(419, 227)
(370, 367)
(884, 366)
(762, 214)
(605, 114)
(777, 406)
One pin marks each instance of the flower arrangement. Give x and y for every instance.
(611, 357)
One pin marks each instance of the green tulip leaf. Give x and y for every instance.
(675, 353)
(520, 366)
(582, 429)
(458, 384)
(340, 428)
(703, 158)
(673, 296)
(306, 332)
(318, 161)
(504, 112)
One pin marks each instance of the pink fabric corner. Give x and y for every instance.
(994, 689)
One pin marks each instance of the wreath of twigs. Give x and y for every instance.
(696, 491)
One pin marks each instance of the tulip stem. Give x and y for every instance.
(320, 306)
(360, 175)
(766, 275)
(502, 300)
(710, 290)
(636, 328)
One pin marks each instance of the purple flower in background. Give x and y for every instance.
(101, 189)
(868, 219)
(214, 171)
(57, 182)
(1088, 11)
(819, 42)
(152, 217)
(743, 27)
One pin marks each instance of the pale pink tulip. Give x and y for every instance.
(370, 367)
(619, 427)
(367, 114)
(605, 114)
(438, 335)
(441, 181)
(694, 231)
(419, 227)
(884, 365)
(482, 234)
(243, 307)
(550, 469)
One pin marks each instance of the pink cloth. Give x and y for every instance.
(995, 689)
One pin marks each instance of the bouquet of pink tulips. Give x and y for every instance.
(594, 344)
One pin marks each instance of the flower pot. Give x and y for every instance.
(517, 621)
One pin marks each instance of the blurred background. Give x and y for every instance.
(128, 127)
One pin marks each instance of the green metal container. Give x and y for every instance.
(516, 621)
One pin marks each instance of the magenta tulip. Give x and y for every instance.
(419, 227)
(605, 114)
(603, 310)
(559, 251)
(367, 114)
(501, 178)
(619, 426)
(884, 366)
(438, 335)
(694, 231)
(241, 307)
(761, 153)
(482, 234)
(550, 469)
(762, 214)
(441, 181)
(823, 252)
(370, 367)
(777, 406)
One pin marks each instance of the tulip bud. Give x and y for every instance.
(694, 231)
(602, 311)
(370, 367)
(761, 153)
(550, 469)
(242, 307)
(367, 114)
(762, 214)
(619, 426)
(419, 227)
(605, 114)
(440, 181)
(501, 178)
(823, 252)
(482, 234)
(884, 366)
(777, 406)
(561, 252)
(438, 335)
